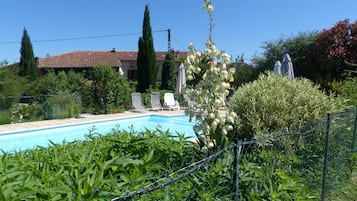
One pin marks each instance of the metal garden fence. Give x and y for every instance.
(319, 155)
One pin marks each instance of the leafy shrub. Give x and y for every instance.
(6, 102)
(102, 167)
(347, 89)
(11, 86)
(23, 113)
(268, 175)
(110, 90)
(98, 168)
(244, 73)
(62, 105)
(5, 117)
(52, 83)
(273, 102)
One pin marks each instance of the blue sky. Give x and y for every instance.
(240, 26)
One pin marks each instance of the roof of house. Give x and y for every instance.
(81, 59)
(85, 59)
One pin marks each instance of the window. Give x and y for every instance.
(132, 74)
(132, 65)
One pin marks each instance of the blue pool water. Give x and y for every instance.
(29, 139)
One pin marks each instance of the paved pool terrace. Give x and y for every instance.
(84, 118)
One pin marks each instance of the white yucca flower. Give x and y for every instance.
(212, 115)
(210, 92)
(224, 131)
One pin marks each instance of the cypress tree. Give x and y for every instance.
(28, 66)
(169, 73)
(146, 61)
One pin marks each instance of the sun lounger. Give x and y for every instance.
(170, 103)
(137, 102)
(155, 101)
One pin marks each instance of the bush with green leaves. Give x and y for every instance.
(347, 89)
(62, 105)
(110, 90)
(11, 87)
(52, 84)
(97, 168)
(274, 102)
(5, 117)
(269, 175)
(244, 73)
(25, 112)
(102, 167)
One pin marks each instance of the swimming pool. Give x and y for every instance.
(21, 140)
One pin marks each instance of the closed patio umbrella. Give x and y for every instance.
(181, 79)
(277, 68)
(287, 67)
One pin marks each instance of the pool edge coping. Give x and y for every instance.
(46, 124)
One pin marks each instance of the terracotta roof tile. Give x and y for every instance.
(81, 59)
(85, 59)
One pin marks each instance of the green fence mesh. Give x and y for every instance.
(307, 164)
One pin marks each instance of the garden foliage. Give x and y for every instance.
(62, 105)
(97, 168)
(27, 65)
(274, 102)
(146, 61)
(347, 89)
(322, 57)
(103, 167)
(109, 90)
(169, 73)
(11, 87)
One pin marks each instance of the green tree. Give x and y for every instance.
(335, 48)
(300, 48)
(28, 66)
(146, 62)
(11, 87)
(110, 90)
(169, 73)
(4, 63)
(53, 83)
(319, 56)
(244, 73)
(347, 89)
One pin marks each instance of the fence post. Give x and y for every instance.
(323, 191)
(236, 152)
(354, 133)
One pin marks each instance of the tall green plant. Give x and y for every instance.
(169, 73)
(28, 66)
(244, 73)
(62, 105)
(209, 92)
(347, 89)
(146, 61)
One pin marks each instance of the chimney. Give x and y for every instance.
(37, 61)
(113, 50)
